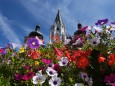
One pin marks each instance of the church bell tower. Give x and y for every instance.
(58, 29)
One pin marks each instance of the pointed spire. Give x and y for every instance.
(58, 18)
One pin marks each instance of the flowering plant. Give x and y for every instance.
(87, 60)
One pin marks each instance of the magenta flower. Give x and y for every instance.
(47, 61)
(101, 22)
(57, 67)
(28, 76)
(84, 28)
(110, 78)
(18, 77)
(33, 43)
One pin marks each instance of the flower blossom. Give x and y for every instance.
(63, 61)
(18, 77)
(101, 59)
(47, 61)
(33, 54)
(51, 72)
(55, 81)
(101, 22)
(38, 78)
(84, 76)
(98, 29)
(82, 62)
(57, 67)
(33, 43)
(22, 50)
(94, 41)
(28, 76)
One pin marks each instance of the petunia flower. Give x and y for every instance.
(15, 45)
(98, 29)
(63, 61)
(51, 72)
(110, 78)
(33, 43)
(57, 67)
(47, 61)
(84, 76)
(28, 76)
(18, 77)
(94, 41)
(55, 81)
(101, 22)
(84, 28)
(38, 78)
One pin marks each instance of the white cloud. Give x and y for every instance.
(7, 30)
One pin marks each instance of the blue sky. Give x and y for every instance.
(19, 17)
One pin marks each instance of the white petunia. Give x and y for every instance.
(63, 61)
(51, 72)
(94, 41)
(55, 81)
(98, 29)
(39, 78)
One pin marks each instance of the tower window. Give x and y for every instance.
(57, 28)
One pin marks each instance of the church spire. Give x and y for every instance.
(58, 18)
(58, 29)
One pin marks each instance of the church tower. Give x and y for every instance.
(58, 29)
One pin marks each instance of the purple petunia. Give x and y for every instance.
(101, 22)
(3, 51)
(33, 43)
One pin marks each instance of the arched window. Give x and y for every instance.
(57, 28)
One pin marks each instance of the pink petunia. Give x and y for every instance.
(47, 61)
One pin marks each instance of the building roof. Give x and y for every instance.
(36, 32)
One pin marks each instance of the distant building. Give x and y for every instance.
(34, 34)
(58, 29)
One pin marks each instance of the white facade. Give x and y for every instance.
(58, 29)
